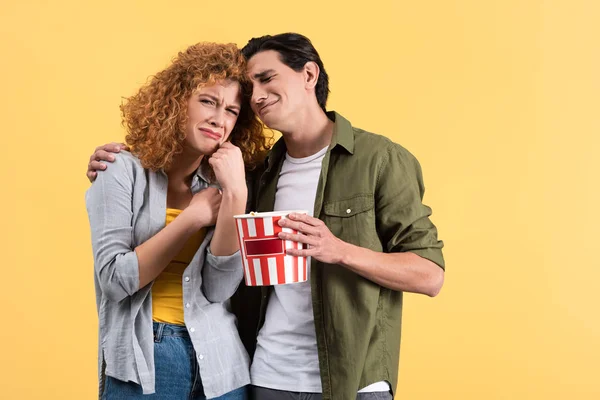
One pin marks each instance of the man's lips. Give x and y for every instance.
(210, 133)
(263, 108)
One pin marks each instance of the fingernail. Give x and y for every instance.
(281, 222)
(111, 158)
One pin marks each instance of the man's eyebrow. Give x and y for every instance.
(263, 74)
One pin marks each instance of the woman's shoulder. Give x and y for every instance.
(124, 162)
(126, 158)
(125, 167)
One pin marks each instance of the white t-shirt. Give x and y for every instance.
(286, 356)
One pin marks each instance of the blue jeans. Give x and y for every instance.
(176, 371)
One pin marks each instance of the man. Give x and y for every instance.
(368, 235)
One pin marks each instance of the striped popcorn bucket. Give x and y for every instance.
(264, 254)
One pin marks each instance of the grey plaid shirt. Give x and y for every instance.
(126, 206)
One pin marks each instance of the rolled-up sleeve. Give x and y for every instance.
(221, 276)
(109, 207)
(402, 219)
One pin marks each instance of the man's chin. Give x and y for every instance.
(271, 122)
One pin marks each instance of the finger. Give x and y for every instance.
(91, 175)
(301, 252)
(102, 155)
(229, 150)
(227, 145)
(307, 219)
(113, 147)
(218, 154)
(310, 240)
(213, 162)
(221, 153)
(96, 166)
(298, 226)
(124, 147)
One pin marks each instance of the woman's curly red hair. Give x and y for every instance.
(155, 117)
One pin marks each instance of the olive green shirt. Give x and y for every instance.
(369, 194)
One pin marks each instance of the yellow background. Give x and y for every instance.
(499, 100)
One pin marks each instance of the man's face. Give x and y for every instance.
(278, 91)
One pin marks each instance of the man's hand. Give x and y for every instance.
(322, 244)
(103, 153)
(405, 272)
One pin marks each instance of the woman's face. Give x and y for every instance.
(212, 113)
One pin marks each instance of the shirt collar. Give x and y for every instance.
(343, 136)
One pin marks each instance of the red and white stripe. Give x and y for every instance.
(263, 253)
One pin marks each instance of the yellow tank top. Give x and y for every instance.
(167, 290)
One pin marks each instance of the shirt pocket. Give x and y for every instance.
(353, 220)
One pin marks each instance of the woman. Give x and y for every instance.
(165, 248)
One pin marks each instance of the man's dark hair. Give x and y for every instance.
(295, 51)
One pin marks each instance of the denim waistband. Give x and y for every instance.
(161, 330)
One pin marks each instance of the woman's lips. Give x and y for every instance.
(211, 134)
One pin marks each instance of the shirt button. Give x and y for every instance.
(192, 330)
(201, 357)
(187, 305)
(187, 278)
(348, 211)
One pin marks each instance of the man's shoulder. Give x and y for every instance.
(373, 144)
(376, 140)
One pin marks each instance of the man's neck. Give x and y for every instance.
(312, 133)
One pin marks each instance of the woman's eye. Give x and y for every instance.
(210, 102)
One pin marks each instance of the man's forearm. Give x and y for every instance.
(405, 272)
